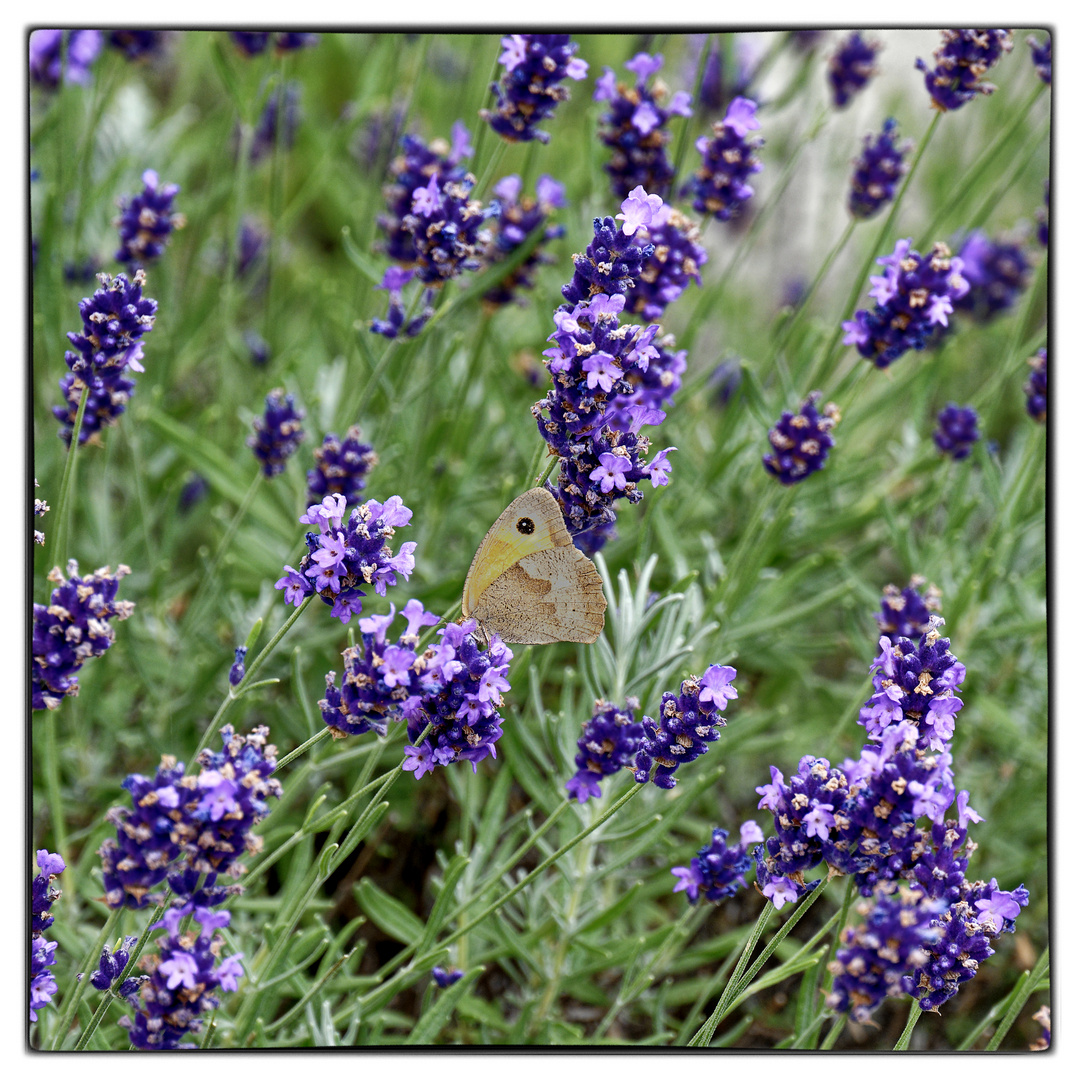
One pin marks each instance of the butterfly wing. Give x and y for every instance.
(546, 596)
(531, 523)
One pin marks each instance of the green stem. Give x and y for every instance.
(834, 1032)
(61, 509)
(913, 1018)
(1025, 987)
(303, 748)
(75, 991)
(253, 667)
(53, 788)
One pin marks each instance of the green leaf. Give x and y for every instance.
(391, 916)
(433, 1021)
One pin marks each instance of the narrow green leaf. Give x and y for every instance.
(390, 915)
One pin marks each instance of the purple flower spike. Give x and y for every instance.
(801, 441)
(341, 466)
(1040, 57)
(608, 743)
(718, 871)
(720, 186)
(147, 220)
(687, 724)
(957, 431)
(278, 432)
(43, 953)
(877, 171)
(997, 271)
(1035, 387)
(278, 122)
(529, 90)
(676, 260)
(46, 47)
(137, 44)
(908, 612)
(963, 59)
(851, 67)
(443, 978)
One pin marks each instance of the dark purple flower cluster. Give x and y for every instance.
(878, 171)
(875, 957)
(514, 223)
(957, 430)
(184, 979)
(342, 557)
(1040, 57)
(443, 978)
(277, 122)
(137, 44)
(340, 467)
(1042, 216)
(254, 42)
(72, 628)
(635, 126)
(963, 59)
(675, 261)
(461, 703)
(851, 67)
(720, 187)
(80, 49)
(394, 280)
(609, 740)
(718, 871)
(251, 240)
(238, 669)
(192, 492)
(447, 228)
(111, 966)
(190, 829)
(907, 612)
(147, 220)
(414, 168)
(916, 683)
(1035, 387)
(801, 441)
(720, 81)
(115, 318)
(278, 432)
(997, 271)
(914, 296)
(380, 678)
(981, 915)
(687, 724)
(529, 90)
(42, 952)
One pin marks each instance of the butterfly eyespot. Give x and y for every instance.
(526, 526)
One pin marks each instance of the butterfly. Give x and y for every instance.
(528, 583)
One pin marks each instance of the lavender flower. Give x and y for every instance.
(981, 915)
(465, 691)
(137, 44)
(877, 172)
(609, 740)
(414, 169)
(41, 508)
(719, 84)
(1040, 57)
(342, 556)
(278, 432)
(997, 271)
(688, 723)
(71, 629)
(184, 981)
(1042, 216)
(613, 263)
(381, 678)
(258, 349)
(251, 42)
(291, 40)
(190, 829)
(916, 683)
(514, 223)
(851, 67)
(801, 440)
(957, 431)
(914, 296)
(80, 49)
(278, 122)
(443, 978)
(340, 467)
(251, 239)
(874, 957)
(719, 186)
(1034, 388)
(908, 612)
(1042, 1018)
(635, 126)
(111, 966)
(42, 952)
(963, 59)
(717, 870)
(529, 90)
(192, 492)
(146, 221)
(237, 671)
(394, 280)
(675, 261)
(725, 381)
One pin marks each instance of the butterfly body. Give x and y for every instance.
(528, 583)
